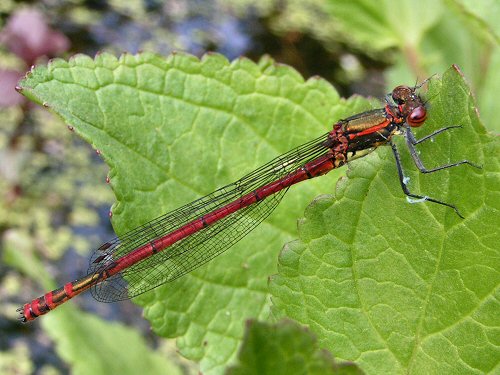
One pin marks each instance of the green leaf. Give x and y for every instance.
(284, 348)
(481, 16)
(378, 26)
(402, 288)
(175, 129)
(93, 346)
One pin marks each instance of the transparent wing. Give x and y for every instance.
(203, 245)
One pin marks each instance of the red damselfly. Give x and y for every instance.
(176, 243)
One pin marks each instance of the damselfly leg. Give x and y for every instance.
(408, 193)
(414, 141)
(411, 141)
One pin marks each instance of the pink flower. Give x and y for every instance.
(8, 94)
(29, 37)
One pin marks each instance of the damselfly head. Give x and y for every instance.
(401, 94)
(410, 105)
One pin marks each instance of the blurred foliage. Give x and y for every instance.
(52, 187)
(16, 361)
(285, 348)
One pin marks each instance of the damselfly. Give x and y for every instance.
(176, 243)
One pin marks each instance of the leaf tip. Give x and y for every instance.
(456, 68)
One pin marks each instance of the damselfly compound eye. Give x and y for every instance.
(417, 117)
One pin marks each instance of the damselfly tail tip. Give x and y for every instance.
(22, 317)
